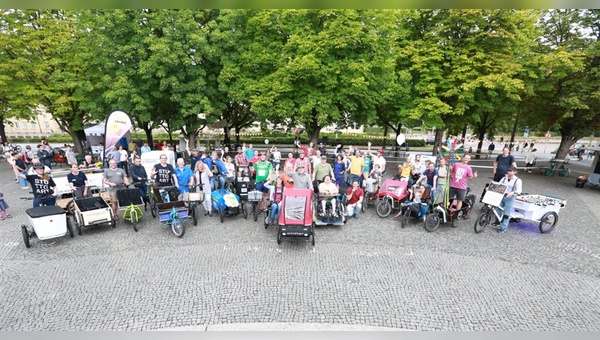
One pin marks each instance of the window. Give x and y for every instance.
(16, 125)
(47, 125)
(33, 125)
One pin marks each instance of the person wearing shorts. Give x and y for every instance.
(263, 170)
(459, 174)
(113, 177)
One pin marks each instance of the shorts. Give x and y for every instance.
(113, 196)
(261, 187)
(460, 193)
(183, 196)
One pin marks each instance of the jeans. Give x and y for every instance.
(44, 201)
(143, 189)
(275, 209)
(22, 181)
(221, 182)
(354, 209)
(507, 203)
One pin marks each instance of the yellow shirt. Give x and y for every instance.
(405, 170)
(356, 165)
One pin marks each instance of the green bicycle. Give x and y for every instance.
(130, 201)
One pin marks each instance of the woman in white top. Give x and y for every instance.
(202, 177)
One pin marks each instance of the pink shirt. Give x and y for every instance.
(460, 175)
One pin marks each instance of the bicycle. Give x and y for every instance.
(131, 199)
(484, 219)
(194, 198)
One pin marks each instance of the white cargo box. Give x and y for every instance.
(533, 207)
(48, 222)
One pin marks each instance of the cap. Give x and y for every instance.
(512, 168)
(38, 166)
(380, 150)
(323, 157)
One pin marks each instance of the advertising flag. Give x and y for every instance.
(117, 127)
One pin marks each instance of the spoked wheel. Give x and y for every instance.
(194, 212)
(70, 226)
(482, 221)
(432, 221)
(548, 222)
(177, 227)
(244, 210)
(384, 208)
(221, 213)
(404, 218)
(255, 211)
(365, 203)
(134, 221)
(25, 233)
(152, 206)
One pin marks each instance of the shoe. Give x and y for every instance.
(116, 218)
(321, 214)
(502, 231)
(8, 216)
(496, 223)
(1, 218)
(210, 214)
(24, 188)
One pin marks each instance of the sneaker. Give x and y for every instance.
(502, 231)
(496, 223)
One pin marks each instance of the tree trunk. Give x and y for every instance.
(226, 138)
(78, 138)
(439, 133)
(313, 129)
(2, 130)
(149, 138)
(385, 133)
(480, 136)
(237, 136)
(566, 140)
(514, 130)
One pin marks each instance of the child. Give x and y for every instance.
(415, 205)
(3, 208)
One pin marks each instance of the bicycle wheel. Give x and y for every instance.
(404, 218)
(194, 212)
(548, 222)
(384, 208)
(244, 209)
(177, 227)
(152, 206)
(134, 219)
(432, 221)
(255, 211)
(482, 221)
(25, 233)
(221, 213)
(365, 203)
(70, 226)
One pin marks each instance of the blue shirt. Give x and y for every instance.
(144, 149)
(183, 178)
(249, 153)
(220, 167)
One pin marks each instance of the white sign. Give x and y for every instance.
(149, 159)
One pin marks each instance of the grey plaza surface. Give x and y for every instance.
(369, 274)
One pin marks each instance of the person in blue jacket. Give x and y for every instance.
(218, 169)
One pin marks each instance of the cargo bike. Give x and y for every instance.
(226, 203)
(543, 209)
(46, 222)
(296, 217)
(130, 202)
(170, 211)
(90, 212)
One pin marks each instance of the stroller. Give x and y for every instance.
(391, 194)
(296, 219)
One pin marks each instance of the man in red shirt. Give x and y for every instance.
(355, 197)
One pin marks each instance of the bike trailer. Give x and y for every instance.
(48, 221)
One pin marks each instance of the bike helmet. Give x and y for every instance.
(38, 166)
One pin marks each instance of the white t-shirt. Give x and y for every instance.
(276, 156)
(123, 155)
(379, 160)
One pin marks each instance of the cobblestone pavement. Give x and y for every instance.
(369, 272)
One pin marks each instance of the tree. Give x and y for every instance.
(160, 67)
(311, 64)
(46, 53)
(567, 92)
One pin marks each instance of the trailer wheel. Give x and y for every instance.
(548, 222)
(70, 226)
(25, 233)
(432, 221)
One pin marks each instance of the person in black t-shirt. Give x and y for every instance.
(44, 188)
(502, 163)
(163, 173)
(79, 183)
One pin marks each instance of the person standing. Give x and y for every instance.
(145, 148)
(123, 164)
(460, 173)
(70, 155)
(491, 148)
(357, 165)
(263, 171)
(241, 161)
(300, 179)
(530, 160)
(19, 167)
(338, 170)
(202, 175)
(323, 169)
(514, 187)
(276, 157)
(303, 161)
(44, 156)
(441, 181)
(163, 173)
(113, 178)
(44, 188)
(139, 177)
(185, 177)
(78, 182)
(502, 163)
